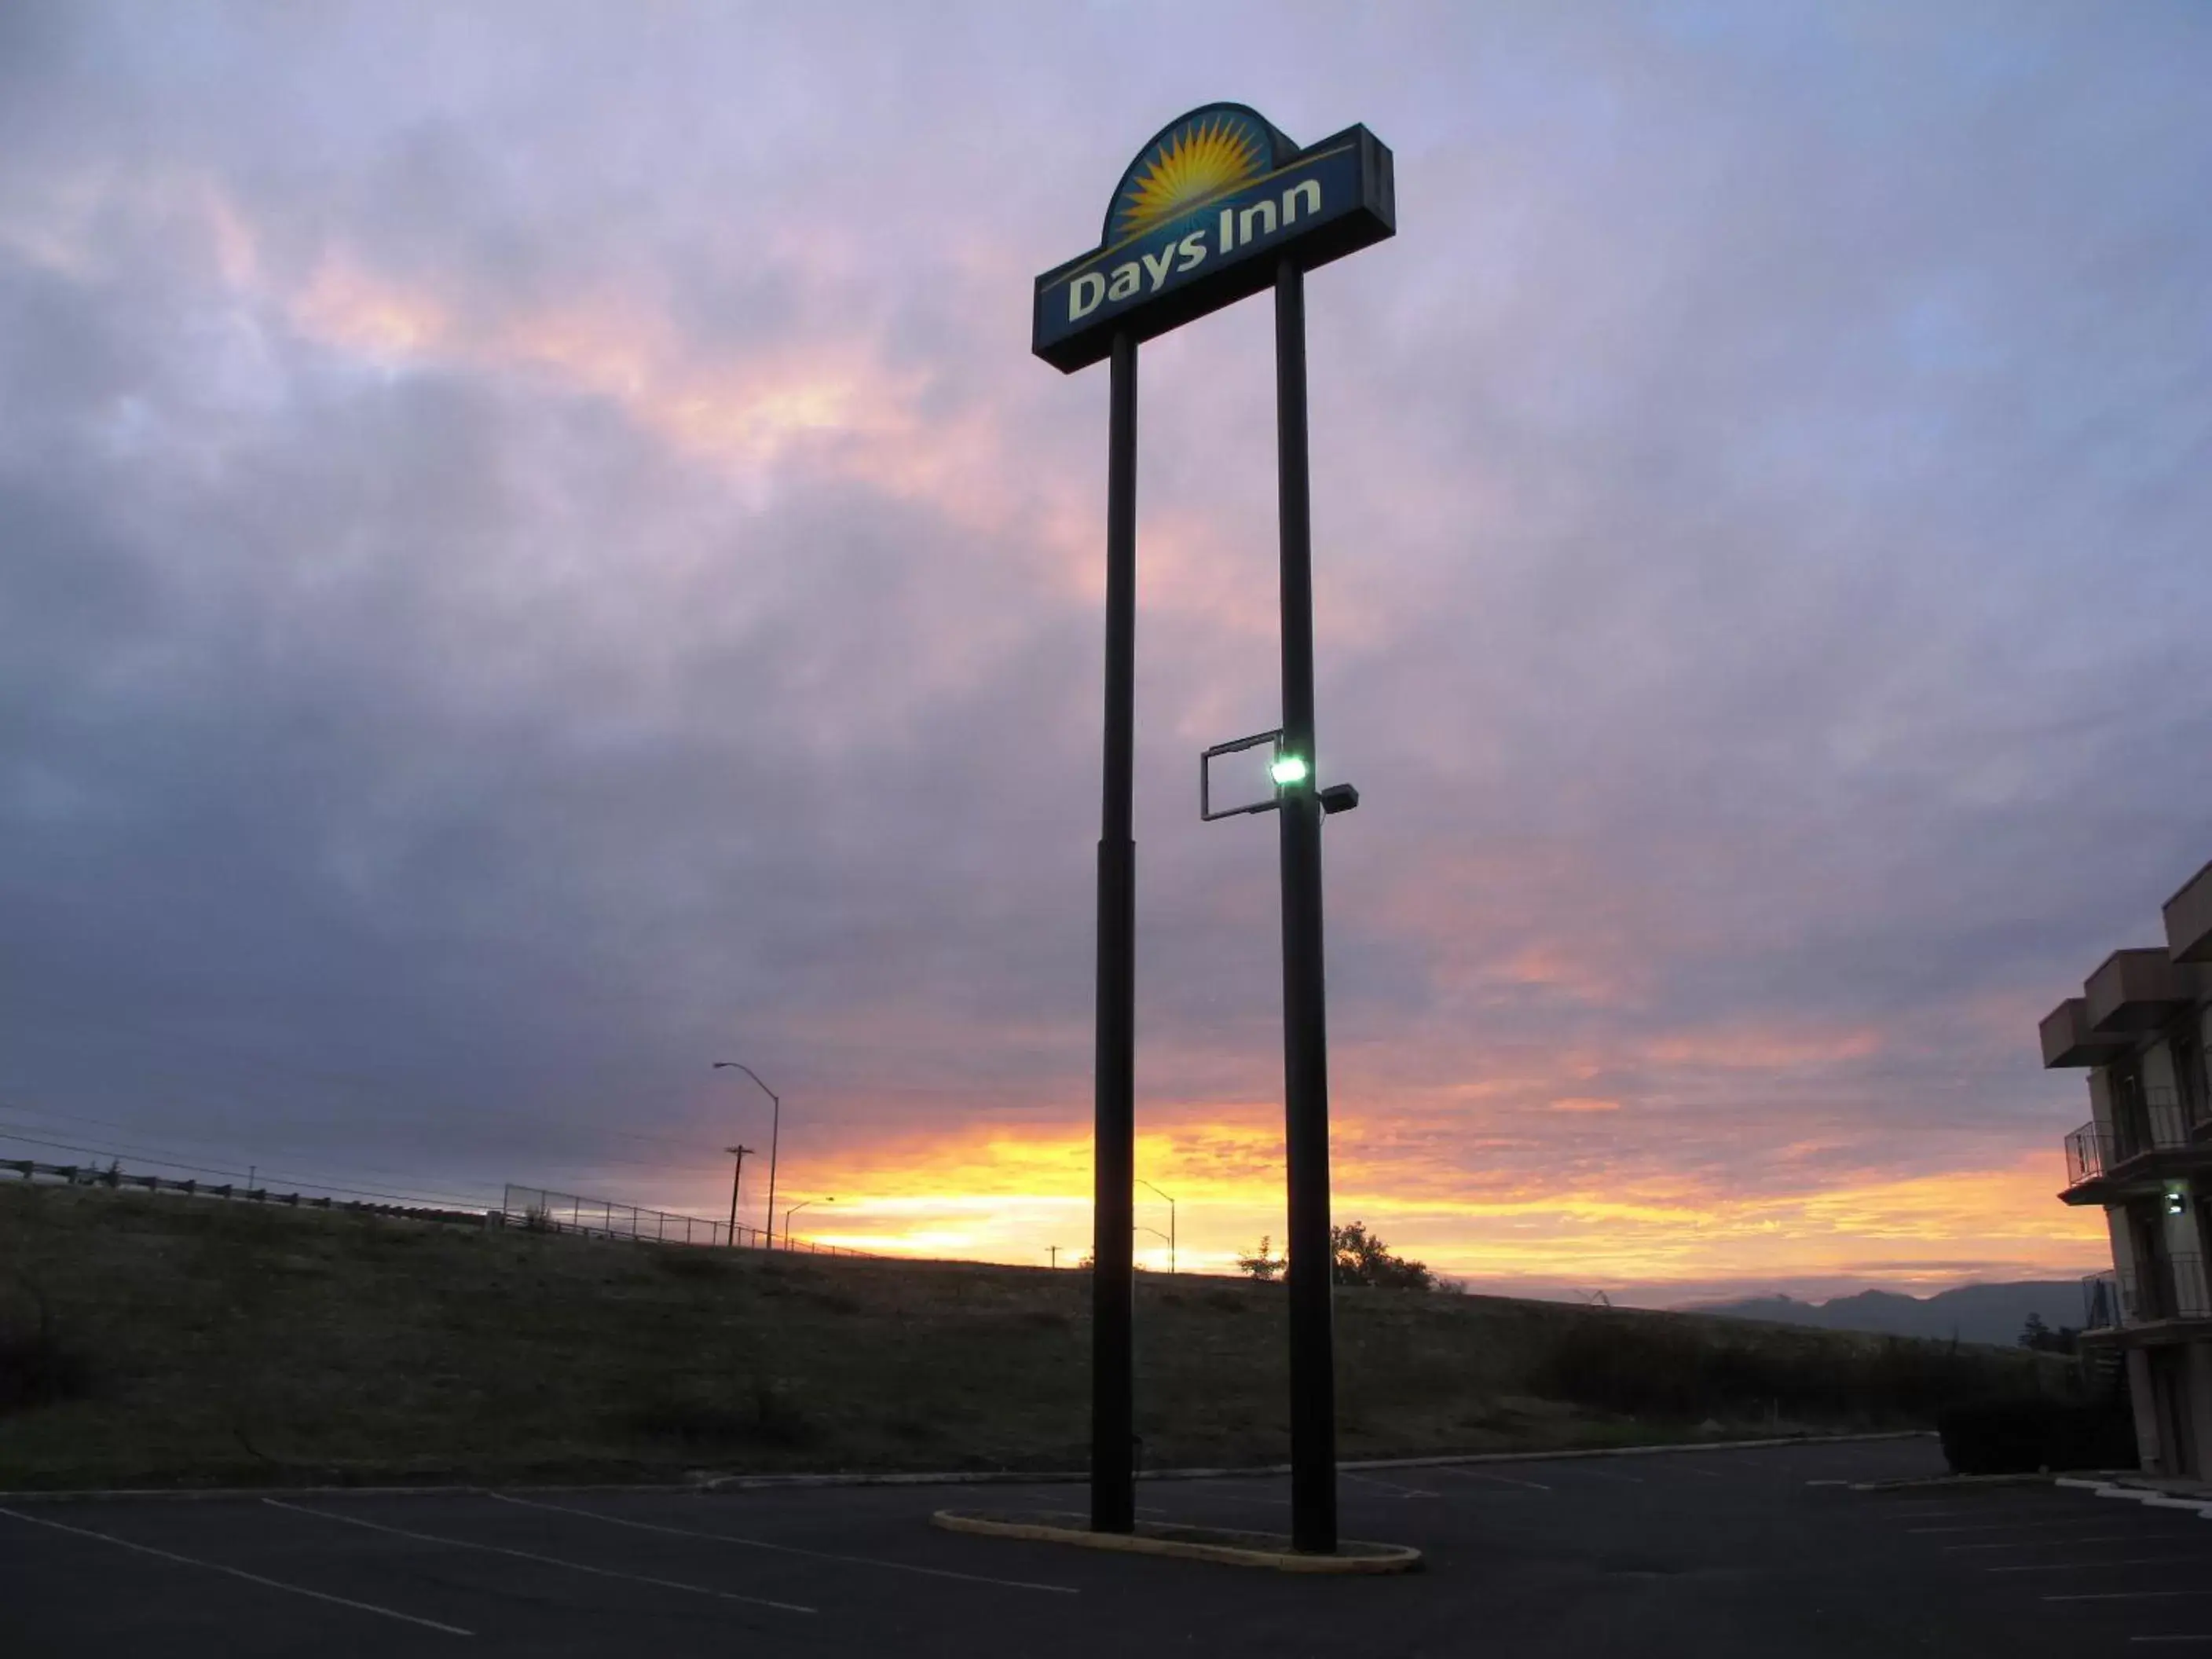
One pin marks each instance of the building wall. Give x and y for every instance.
(2124, 1248)
(2200, 1392)
(2181, 1234)
(2158, 1070)
(2143, 1407)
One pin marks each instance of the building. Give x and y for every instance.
(2140, 1028)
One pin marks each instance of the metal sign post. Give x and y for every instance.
(1218, 206)
(1113, 1273)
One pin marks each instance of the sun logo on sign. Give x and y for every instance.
(1207, 159)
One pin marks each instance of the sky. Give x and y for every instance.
(534, 557)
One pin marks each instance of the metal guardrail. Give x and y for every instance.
(111, 1175)
(545, 1211)
(535, 1207)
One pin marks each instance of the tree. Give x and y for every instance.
(2039, 1336)
(1261, 1263)
(1362, 1258)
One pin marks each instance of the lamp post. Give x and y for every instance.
(735, 1176)
(774, 1135)
(1171, 1227)
(795, 1210)
(1163, 1239)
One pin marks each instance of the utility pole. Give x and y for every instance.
(774, 1135)
(1054, 1249)
(736, 1174)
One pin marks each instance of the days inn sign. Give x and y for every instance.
(1201, 219)
(1217, 206)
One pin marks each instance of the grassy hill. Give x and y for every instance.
(162, 1341)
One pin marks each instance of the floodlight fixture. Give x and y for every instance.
(1285, 770)
(1206, 809)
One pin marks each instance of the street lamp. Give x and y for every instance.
(774, 1135)
(1163, 1239)
(735, 1176)
(1171, 1227)
(795, 1210)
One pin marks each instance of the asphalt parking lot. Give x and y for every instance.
(1709, 1552)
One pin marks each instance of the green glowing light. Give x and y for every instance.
(1287, 769)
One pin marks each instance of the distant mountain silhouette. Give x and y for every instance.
(1971, 1313)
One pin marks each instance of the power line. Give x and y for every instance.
(168, 1163)
(357, 1081)
(51, 1115)
(43, 1118)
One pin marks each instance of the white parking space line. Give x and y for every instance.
(1609, 1474)
(2128, 1595)
(887, 1565)
(235, 1572)
(1903, 1514)
(1502, 1479)
(2000, 1526)
(2048, 1543)
(1692, 1468)
(1391, 1485)
(2085, 1567)
(543, 1561)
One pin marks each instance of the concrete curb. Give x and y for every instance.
(703, 1482)
(1236, 1549)
(2149, 1497)
(2097, 1485)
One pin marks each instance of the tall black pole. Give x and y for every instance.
(1305, 1042)
(1113, 1277)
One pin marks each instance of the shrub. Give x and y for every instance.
(37, 1366)
(686, 1261)
(764, 1413)
(2023, 1437)
(1647, 1368)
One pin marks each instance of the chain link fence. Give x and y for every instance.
(542, 1210)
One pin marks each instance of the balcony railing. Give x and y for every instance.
(2173, 1287)
(2157, 1124)
(2100, 1302)
(2085, 1155)
(2167, 1287)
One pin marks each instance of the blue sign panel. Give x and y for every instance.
(1203, 217)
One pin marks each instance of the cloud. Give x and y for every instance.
(534, 557)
